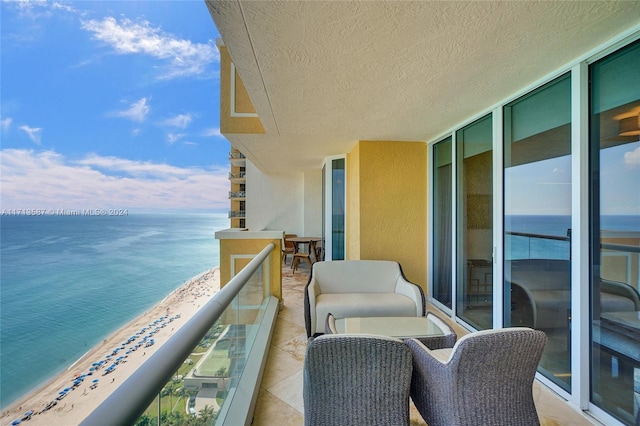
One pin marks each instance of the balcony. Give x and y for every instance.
(280, 397)
(239, 195)
(237, 214)
(237, 177)
(237, 159)
(279, 394)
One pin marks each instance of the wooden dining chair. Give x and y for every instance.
(288, 248)
(297, 257)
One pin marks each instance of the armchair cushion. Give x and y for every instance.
(354, 288)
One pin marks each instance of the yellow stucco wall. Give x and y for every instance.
(352, 221)
(389, 218)
(229, 124)
(236, 253)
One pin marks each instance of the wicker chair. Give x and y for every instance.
(486, 379)
(447, 340)
(356, 380)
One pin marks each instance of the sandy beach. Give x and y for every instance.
(174, 311)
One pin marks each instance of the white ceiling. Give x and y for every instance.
(325, 74)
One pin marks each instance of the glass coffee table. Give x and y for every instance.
(400, 327)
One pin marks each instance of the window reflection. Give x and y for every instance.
(475, 223)
(442, 220)
(615, 233)
(537, 221)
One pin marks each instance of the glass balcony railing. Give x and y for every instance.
(239, 194)
(236, 155)
(203, 374)
(235, 213)
(523, 245)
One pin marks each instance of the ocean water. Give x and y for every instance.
(67, 282)
(522, 247)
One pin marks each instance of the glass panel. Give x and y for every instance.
(615, 239)
(203, 387)
(337, 209)
(475, 223)
(537, 220)
(442, 219)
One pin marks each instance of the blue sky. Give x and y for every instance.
(111, 104)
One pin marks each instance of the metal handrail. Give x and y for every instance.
(605, 246)
(620, 247)
(540, 236)
(132, 398)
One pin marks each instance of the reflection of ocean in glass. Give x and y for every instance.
(68, 282)
(536, 246)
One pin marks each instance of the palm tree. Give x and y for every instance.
(206, 414)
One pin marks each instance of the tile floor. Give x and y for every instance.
(280, 397)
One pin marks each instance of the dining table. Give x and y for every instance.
(308, 242)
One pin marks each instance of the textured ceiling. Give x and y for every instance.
(325, 74)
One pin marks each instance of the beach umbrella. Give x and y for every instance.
(16, 422)
(96, 381)
(67, 389)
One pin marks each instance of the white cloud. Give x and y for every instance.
(174, 137)
(180, 120)
(632, 158)
(36, 9)
(5, 124)
(49, 180)
(32, 132)
(183, 57)
(137, 111)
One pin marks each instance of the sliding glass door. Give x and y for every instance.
(442, 222)
(615, 233)
(537, 220)
(565, 154)
(333, 208)
(474, 236)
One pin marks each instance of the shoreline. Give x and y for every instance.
(174, 311)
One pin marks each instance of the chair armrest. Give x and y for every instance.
(413, 292)
(431, 358)
(621, 289)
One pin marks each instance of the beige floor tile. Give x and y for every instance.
(272, 411)
(290, 391)
(280, 365)
(285, 331)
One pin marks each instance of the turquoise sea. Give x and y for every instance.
(67, 282)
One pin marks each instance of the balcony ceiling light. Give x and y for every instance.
(630, 126)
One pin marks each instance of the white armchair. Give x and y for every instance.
(359, 288)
